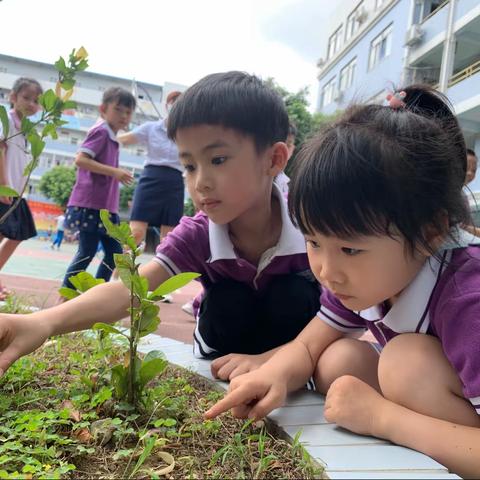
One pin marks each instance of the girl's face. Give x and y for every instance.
(364, 271)
(25, 102)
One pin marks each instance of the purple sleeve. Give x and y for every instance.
(457, 324)
(94, 142)
(142, 133)
(337, 316)
(186, 247)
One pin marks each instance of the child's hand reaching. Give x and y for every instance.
(123, 176)
(235, 364)
(354, 405)
(252, 395)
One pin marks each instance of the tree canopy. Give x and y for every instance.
(57, 184)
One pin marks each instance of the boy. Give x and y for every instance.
(259, 293)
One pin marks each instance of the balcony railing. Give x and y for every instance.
(465, 73)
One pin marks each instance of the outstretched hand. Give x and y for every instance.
(19, 335)
(230, 366)
(251, 395)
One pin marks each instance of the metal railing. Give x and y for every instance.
(465, 73)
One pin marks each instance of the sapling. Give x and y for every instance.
(129, 379)
(53, 104)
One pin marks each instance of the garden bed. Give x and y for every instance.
(58, 419)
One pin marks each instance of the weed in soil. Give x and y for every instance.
(58, 420)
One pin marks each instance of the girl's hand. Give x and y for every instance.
(252, 395)
(123, 176)
(354, 405)
(230, 366)
(6, 200)
(19, 335)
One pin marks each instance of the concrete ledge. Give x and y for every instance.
(345, 455)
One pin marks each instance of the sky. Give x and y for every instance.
(178, 41)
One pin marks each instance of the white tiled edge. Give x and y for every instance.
(343, 454)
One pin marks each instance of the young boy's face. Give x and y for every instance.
(117, 116)
(225, 174)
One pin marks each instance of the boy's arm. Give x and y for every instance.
(257, 393)
(3, 171)
(82, 160)
(108, 302)
(128, 138)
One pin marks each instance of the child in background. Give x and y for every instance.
(230, 130)
(379, 198)
(57, 241)
(282, 179)
(97, 185)
(14, 157)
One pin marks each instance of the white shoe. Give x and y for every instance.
(188, 308)
(167, 299)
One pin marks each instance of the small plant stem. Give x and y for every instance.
(131, 378)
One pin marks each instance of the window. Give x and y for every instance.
(354, 21)
(380, 3)
(74, 140)
(328, 92)
(335, 42)
(347, 74)
(380, 47)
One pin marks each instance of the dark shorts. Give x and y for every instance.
(87, 220)
(19, 225)
(158, 198)
(233, 318)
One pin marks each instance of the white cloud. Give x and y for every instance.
(157, 41)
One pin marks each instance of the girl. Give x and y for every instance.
(14, 157)
(97, 185)
(378, 196)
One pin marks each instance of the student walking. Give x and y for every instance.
(57, 241)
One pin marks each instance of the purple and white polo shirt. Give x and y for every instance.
(443, 300)
(199, 245)
(94, 190)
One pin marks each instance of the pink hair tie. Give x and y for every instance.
(395, 99)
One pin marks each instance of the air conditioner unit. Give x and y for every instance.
(362, 15)
(414, 35)
(320, 62)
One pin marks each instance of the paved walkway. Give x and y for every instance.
(35, 272)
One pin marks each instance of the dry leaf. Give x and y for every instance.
(73, 414)
(82, 435)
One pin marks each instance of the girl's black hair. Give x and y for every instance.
(23, 82)
(120, 96)
(381, 170)
(235, 100)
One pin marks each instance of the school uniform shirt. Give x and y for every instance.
(443, 300)
(199, 245)
(94, 190)
(161, 151)
(17, 156)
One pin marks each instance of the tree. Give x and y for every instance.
(126, 195)
(57, 184)
(305, 122)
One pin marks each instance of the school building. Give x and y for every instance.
(88, 93)
(376, 44)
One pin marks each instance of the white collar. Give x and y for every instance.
(410, 312)
(101, 122)
(291, 240)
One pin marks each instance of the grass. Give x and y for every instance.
(58, 419)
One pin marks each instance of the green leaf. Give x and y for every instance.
(69, 105)
(26, 126)
(30, 167)
(149, 325)
(172, 284)
(106, 327)
(149, 370)
(4, 120)
(6, 191)
(153, 354)
(83, 281)
(36, 144)
(119, 380)
(48, 99)
(60, 65)
(68, 84)
(140, 285)
(49, 129)
(149, 444)
(68, 292)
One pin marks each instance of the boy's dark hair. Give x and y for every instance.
(233, 100)
(379, 170)
(292, 129)
(23, 82)
(120, 96)
(471, 152)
